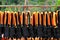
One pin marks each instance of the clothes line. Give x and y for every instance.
(29, 5)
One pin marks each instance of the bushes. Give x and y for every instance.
(31, 2)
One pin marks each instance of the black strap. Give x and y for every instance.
(33, 20)
(23, 19)
(42, 19)
(31, 31)
(46, 20)
(12, 32)
(58, 32)
(7, 19)
(51, 19)
(40, 31)
(3, 17)
(16, 19)
(11, 19)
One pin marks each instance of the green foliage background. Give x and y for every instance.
(30, 2)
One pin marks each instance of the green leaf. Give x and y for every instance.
(58, 2)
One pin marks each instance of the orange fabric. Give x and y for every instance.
(57, 17)
(23, 38)
(21, 18)
(31, 20)
(44, 19)
(18, 39)
(17, 18)
(40, 18)
(36, 38)
(36, 18)
(53, 20)
(48, 16)
(1, 17)
(3, 39)
(14, 20)
(9, 18)
(32, 38)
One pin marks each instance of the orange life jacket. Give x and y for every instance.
(48, 16)
(13, 18)
(44, 18)
(31, 20)
(21, 19)
(53, 20)
(9, 18)
(36, 18)
(1, 17)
